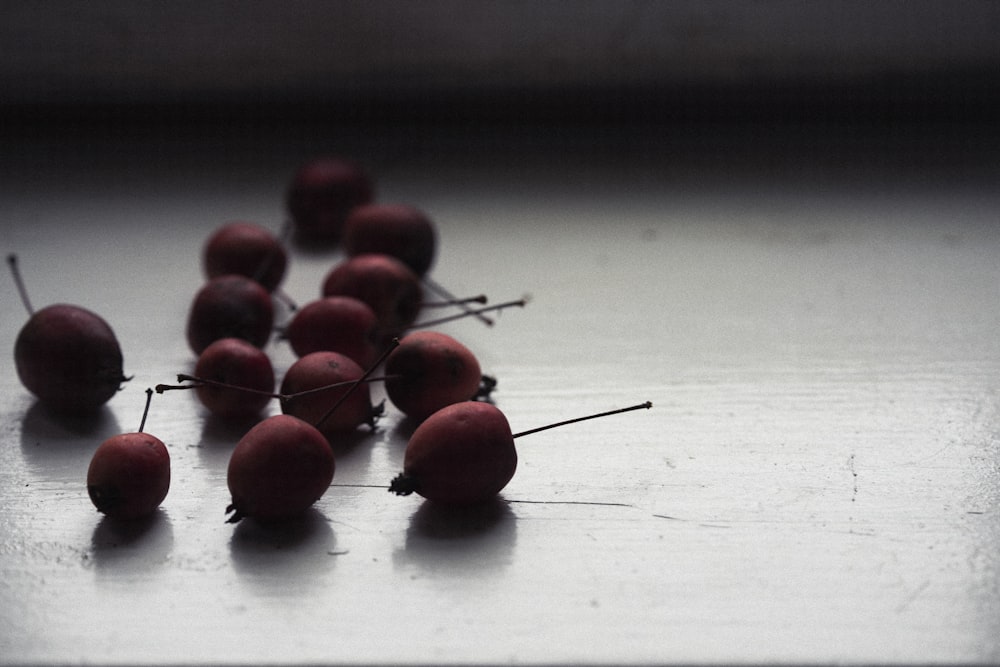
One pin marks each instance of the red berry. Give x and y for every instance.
(278, 470)
(129, 475)
(428, 371)
(246, 249)
(230, 306)
(461, 455)
(321, 194)
(335, 324)
(69, 358)
(322, 369)
(233, 361)
(464, 454)
(388, 286)
(400, 231)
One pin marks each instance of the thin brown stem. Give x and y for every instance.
(16, 272)
(200, 382)
(356, 383)
(479, 298)
(440, 290)
(641, 406)
(450, 318)
(145, 412)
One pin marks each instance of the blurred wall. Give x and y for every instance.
(261, 52)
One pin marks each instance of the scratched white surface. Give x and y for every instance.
(818, 480)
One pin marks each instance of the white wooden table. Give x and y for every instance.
(818, 480)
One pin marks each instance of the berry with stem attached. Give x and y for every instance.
(234, 361)
(129, 474)
(464, 454)
(67, 356)
(332, 374)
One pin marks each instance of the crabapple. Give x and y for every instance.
(398, 230)
(335, 324)
(320, 380)
(278, 469)
(230, 306)
(129, 473)
(234, 361)
(464, 453)
(428, 371)
(321, 194)
(246, 249)
(388, 286)
(67, 356)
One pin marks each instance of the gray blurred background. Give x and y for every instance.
(556, 58)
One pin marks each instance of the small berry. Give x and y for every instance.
(230, 306)
(278, 470)
(246, 249)
(129, 474)
(322, 193)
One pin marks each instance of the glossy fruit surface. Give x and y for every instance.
(230, 306)
(321, 369)
(388, 286)
(335, 324)
(278, 469)
(234, 361)
(402, 231)
(428, 371)
(129, 475)
(321, 194)
(461, 455)
(246, 249)
(69, 358)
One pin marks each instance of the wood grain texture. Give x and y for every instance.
(818, 480)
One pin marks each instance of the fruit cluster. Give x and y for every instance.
(362, 329)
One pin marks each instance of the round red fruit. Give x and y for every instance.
(323, 369)
(321, 194)
(398, 230)
(461, 455)
(388, 286)
(278, 470)
(335, 324)
(230, 306)
(428, 371)
(246, 249)
(234, 361)
(69, 358)
(129, 475)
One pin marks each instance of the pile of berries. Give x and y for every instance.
(362, 329)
